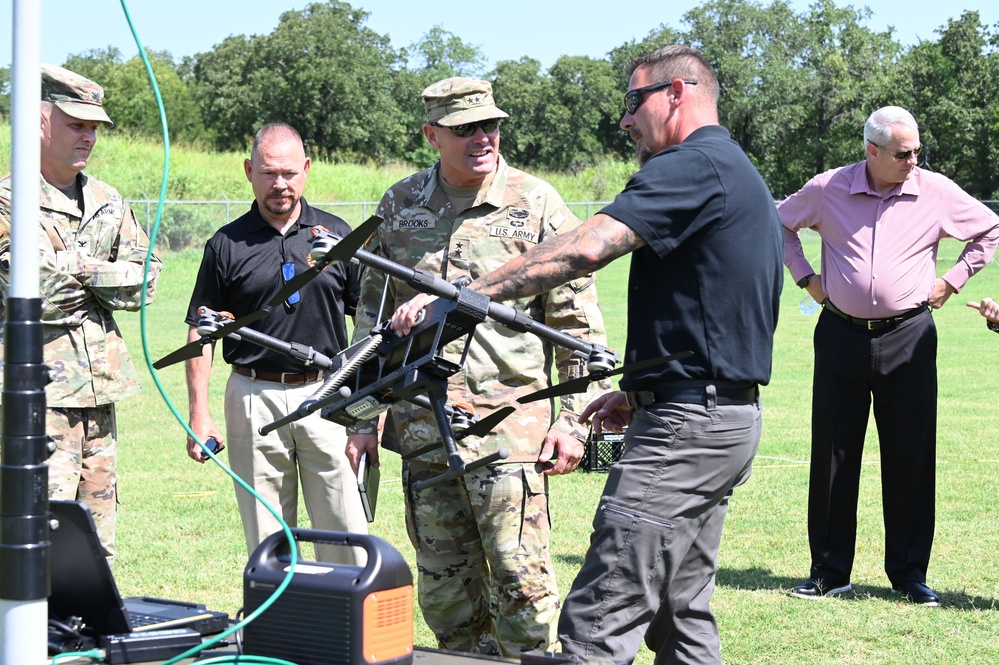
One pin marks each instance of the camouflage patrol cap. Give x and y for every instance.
(73, 94)
(457, 101)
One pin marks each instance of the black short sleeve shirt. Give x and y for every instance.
(710, 277)
(242, 270)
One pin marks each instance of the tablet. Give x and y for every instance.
(368, 478)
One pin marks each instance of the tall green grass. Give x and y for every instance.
(134, 167)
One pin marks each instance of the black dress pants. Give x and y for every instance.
(897, 368)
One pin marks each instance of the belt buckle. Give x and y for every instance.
(870, 324)
(285, 380)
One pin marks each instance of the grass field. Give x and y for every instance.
(179, 533)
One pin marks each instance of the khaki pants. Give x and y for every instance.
(309, 452)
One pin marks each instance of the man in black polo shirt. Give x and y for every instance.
(245, 264)
(706, 276)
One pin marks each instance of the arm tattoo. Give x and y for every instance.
(558, 260)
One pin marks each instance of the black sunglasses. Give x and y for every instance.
(633, 98)
(901, 155)
(466, 130)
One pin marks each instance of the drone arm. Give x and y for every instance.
(456, 466)
(304, 354)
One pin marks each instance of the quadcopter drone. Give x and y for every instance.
(365, 379)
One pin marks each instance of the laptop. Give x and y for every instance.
(83, 586)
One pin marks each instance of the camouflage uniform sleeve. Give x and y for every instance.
(369, 298)
(4, 247)
(573, 308)
(116, 283)
(64, 300)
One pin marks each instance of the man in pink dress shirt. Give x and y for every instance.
(881, 221)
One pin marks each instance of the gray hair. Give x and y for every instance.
(678, 62)
(877, 129)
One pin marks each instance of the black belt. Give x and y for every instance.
(877, 324)
(696, 393)
(288, 378)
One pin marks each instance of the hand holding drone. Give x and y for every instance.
(368, 377)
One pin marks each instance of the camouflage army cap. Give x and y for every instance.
(456, 101)
(75, 95)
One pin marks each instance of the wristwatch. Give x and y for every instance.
(803, 282)
(994, 327)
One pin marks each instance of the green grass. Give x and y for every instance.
(179, 532)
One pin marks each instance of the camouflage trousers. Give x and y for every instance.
(485, 578)
(84, 466)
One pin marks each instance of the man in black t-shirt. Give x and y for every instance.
(244, 265)
(706, 276)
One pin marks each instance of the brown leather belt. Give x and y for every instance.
(888, 323)
(288, 378)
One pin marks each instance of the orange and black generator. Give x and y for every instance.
(329, 614)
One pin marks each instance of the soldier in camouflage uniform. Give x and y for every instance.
(92, 254)
(486, 582)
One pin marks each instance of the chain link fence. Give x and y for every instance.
(190, 223)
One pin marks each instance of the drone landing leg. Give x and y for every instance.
(456, 466)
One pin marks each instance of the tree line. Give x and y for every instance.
(796, 89)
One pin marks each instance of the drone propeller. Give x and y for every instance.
(485, 425)
(343, 250)
(193, 349)
(579, 385)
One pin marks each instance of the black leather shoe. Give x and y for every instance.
(820, 588)
(918, 593)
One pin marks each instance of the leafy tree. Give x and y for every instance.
(442, 54)
(950, 87)
(100, 65)
(580, 113)
(321, 71)
(519, 87)
(796, 89)
(129, 99)
(229, 107)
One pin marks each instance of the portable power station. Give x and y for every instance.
(330, 614)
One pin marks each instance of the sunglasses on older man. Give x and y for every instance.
(634, 98)
(901, 155)
(466, 130)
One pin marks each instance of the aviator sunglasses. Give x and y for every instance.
(466, 130)
(633, 98)
(901, 155)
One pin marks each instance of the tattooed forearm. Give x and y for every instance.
(560, 259)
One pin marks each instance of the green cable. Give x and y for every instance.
(93, 654)
(159, 386)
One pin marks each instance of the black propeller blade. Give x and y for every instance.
(193, 349)
(579, 385)
(486, 425)
(343, 251)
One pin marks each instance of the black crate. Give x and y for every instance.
(602, 450)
